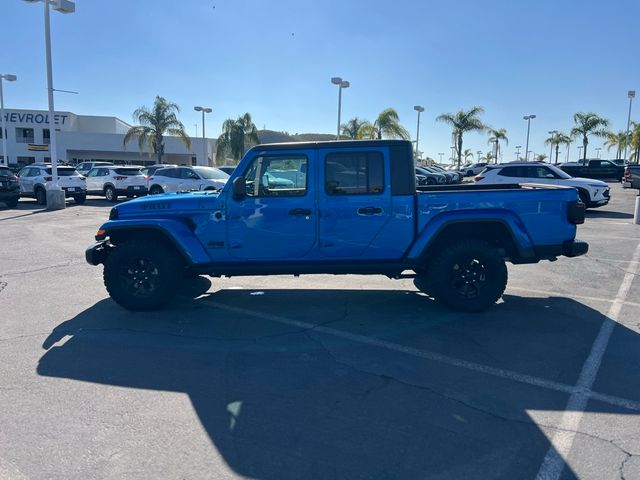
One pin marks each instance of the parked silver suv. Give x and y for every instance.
(185, 179)
(36, 178)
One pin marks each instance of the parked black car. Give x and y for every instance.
(631, 177)
(9, 187)
(594, 169)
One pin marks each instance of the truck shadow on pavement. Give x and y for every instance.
(280, 397)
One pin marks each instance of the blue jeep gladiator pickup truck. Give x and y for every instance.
(344, 207)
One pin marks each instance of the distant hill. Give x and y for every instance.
(271, 136)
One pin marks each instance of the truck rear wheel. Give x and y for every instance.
(468, 276)
(141, 275)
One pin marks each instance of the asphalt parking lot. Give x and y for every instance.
(320, 376)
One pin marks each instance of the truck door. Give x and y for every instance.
(354, 199)
(277, 218)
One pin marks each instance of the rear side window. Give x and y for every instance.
(511, 172)
(354, 173)
(5, 172)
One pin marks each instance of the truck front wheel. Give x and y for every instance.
(141, 275)
(468, 276)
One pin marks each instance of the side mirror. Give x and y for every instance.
(239, 188)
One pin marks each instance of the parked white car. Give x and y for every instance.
(185, 179)
(472, 169)
(36, 178)
(112, 181)
(593, 193)
(84, 167)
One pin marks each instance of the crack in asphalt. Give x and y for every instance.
(3, 285)
(34, 270)
(471, 406)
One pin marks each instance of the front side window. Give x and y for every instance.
(189, 174)
(277, 176)
(354, 173)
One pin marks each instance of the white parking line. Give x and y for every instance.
(570, 295)
(436, 357)
(556, 457)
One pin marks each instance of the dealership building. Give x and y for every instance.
(87, 137)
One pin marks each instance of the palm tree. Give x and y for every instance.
(634, 141)
(495, 136)
(352, 129)
(154, 123)
(618, 140)
(541, 157)
(556, 139)
(462, 122)
(367, 131)
(388, 125)
(237, 136)
(466, 154)
(588, 124)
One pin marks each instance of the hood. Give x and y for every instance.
(167, 204)
(590, 181)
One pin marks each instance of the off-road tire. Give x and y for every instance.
(13, 203)
(156, 190)
(132, 267)
(468, 276)
(110, 194)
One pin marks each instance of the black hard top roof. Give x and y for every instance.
(330, 144)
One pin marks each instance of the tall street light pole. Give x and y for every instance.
(528, 118)
(580, 147)
(3, 129)
(55, 194)
(341, 84)
(518, 147)
(204, 141)
(552, 133)
(631, 94)
(419, 109)
(441, 154)
(598, 151)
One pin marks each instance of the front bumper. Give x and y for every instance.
(97, 253)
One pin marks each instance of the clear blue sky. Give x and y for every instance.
(274, 59)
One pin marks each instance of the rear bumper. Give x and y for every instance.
(96, 253)
(73, 191)
(141, 190)
(570, 248)
(9, 194)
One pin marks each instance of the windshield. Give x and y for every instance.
(211, 173)
(64, 171)
(558, 172)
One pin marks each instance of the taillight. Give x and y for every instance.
(16, 179)
(119, 178)
(48, 179)
(150, 178)
(575, 212)
(627, 173)
(82, 177)
(477, 178)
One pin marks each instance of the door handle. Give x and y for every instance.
(369, 211)
(300, 211)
